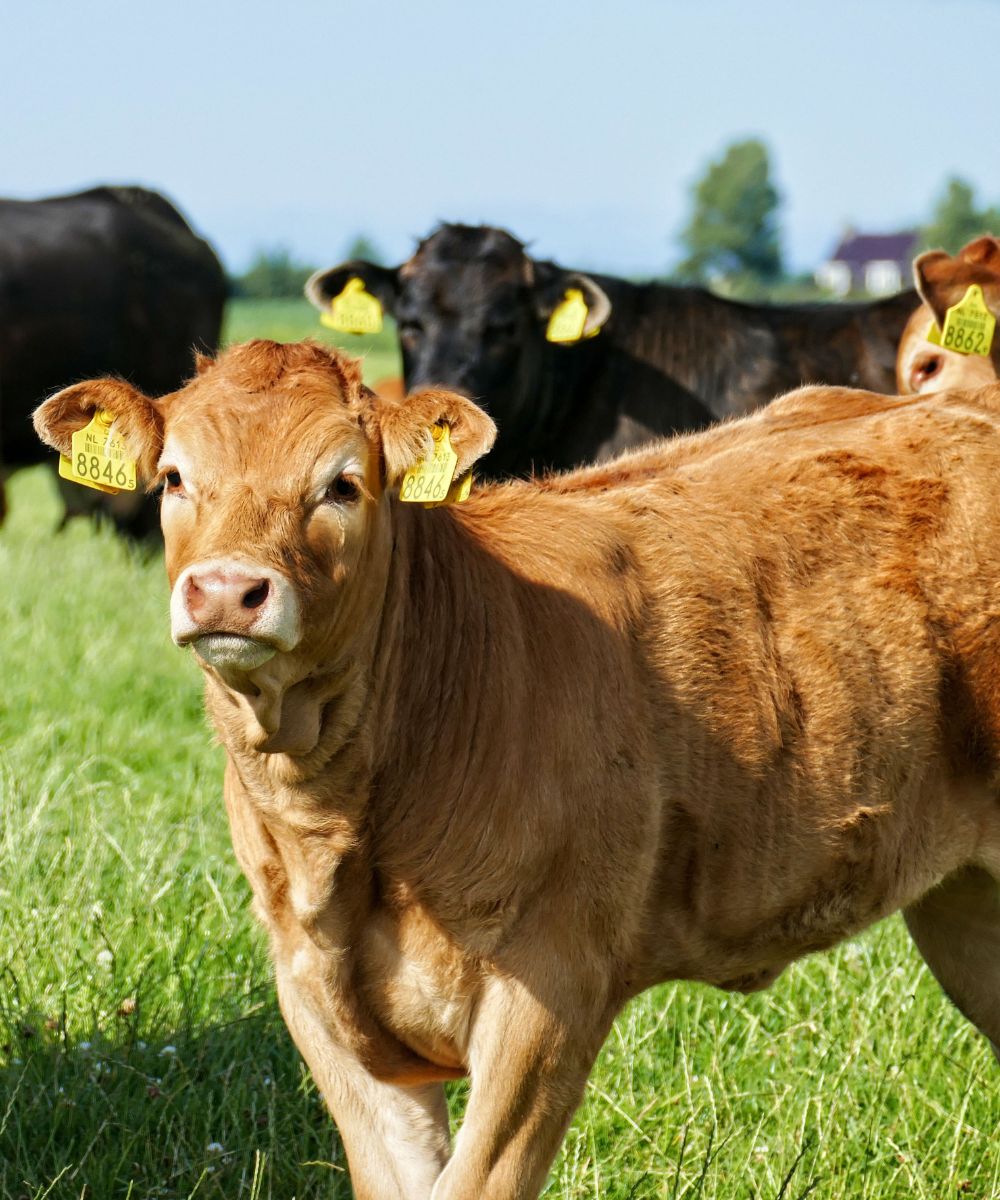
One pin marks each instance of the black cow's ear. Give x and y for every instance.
(381, 282)
(136, 417)
(551, 286)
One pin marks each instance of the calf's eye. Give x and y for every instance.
(342, 489)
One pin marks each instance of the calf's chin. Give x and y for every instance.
(233, 652)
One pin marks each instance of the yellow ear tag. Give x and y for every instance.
(968, 325)
(460, 489)
(354, 310)
(568, 318)
(429, 481)
(100, 458)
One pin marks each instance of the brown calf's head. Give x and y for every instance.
(923, 366)
(277, 464)
(942, 281)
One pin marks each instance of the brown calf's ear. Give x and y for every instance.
(404, 429)
(136, 418)
(943, 280)
(983, 252)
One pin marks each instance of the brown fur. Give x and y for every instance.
(691, 714)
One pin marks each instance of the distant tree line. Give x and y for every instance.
(274, 273)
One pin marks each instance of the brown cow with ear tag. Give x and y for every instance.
(496, 767)
(942, 281)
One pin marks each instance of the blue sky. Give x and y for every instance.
(580, 126)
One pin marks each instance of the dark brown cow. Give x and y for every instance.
(107, 281)
(495, 768)
(472, 308)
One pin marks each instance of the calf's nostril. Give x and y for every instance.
(256, 596)
(192, 593)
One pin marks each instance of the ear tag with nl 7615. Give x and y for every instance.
(354, 309)
(99, 457)
(430, 480)
(968, 325)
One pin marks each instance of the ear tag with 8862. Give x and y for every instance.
(968, 325)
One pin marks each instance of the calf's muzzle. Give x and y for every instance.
(237, 615)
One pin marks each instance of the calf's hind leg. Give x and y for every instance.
(956, 927)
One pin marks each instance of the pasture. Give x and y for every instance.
(142, 1053)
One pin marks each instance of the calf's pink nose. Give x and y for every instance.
(226, 601)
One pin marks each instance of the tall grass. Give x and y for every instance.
(141, 1050)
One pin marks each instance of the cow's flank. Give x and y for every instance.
(495, 768)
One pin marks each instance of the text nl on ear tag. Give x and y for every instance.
(568, 318)
(354, 310)
(968, 325)
(429, 481)
(99, 458)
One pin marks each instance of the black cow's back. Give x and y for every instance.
(110, 281)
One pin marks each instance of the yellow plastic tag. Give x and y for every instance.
(568, 318)
(354, 310)
(457, 493)
(460, 489)
(429, 481)
(99, 459)
(968, 325)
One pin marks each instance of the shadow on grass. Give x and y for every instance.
(221, 1111)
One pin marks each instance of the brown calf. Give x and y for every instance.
(923, 366)
(495, 768)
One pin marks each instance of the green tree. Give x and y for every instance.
(271, 274)
(956, 220)
(733, 231)
(363, 247)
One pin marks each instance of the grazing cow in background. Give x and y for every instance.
(111, 280)
(924, 366)
(472, 309)
(494, 768)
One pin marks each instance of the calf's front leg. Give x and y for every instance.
(397, 1138)
(529, 1066)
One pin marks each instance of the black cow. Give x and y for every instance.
(473, 307)
(107, 281)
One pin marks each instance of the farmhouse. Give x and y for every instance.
(876, 263)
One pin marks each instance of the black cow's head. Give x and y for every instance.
(472, 310)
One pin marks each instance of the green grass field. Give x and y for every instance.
(141, 1050)
(291, 320)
